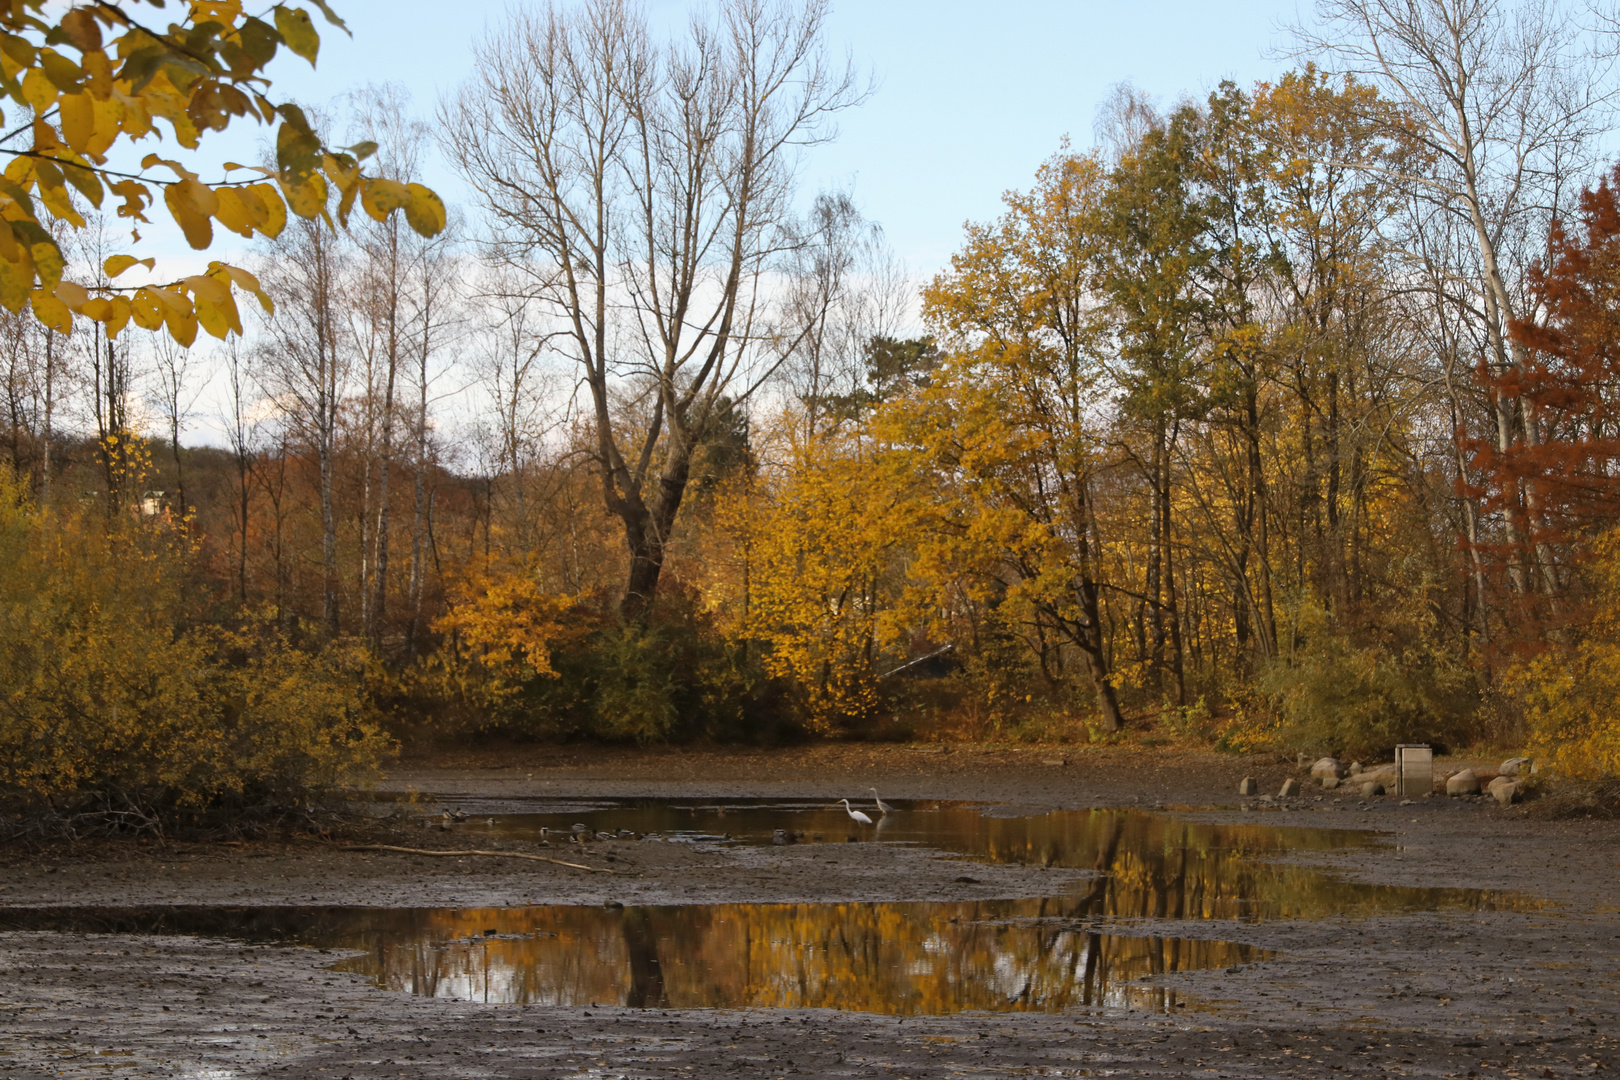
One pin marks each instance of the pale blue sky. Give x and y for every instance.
(971, 96)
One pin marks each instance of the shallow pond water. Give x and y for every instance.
(900, 958)
(1089, 946)
(1145, 865)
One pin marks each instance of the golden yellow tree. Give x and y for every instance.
(825, 531)
(1010, 428)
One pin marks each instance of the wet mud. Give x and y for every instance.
(1120, 914)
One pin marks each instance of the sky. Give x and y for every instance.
(970, 96)
(969, 99)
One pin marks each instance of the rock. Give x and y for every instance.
(1329, 783)
(1382, 774)
(1355, 767)
(1505, 791)
(1290, 788)
(1372, 787)
(1463, 783)
(1514, 766)
(1249, 786)
(1054, 761)
(1327, 767)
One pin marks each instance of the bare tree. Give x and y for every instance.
(240, 435)
(642, 190)
(306, 366)
(174, 395)
(1124, 118)
(844, 287)
(389, 316)
(1507, 101)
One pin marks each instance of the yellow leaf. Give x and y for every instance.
(382, 197)
(209, 287)
(98, 308)
(117, 264)
(98, 75)
(38, 91)
(186, 201)
(79, 26)
(299, 33)
(51, 311)
(77, 115)
(87, 182)
(53, 193)
(245, 280)
(275, 211)
(121, 311)
(306, 193)
(147, 309)
(47, 263)
(233, 212)
(16, 280)
(172, 300)
(71, 294)
(219, 319)
(182, 327)
(425, 210)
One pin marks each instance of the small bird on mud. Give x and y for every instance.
(883, 807)
(855, 815)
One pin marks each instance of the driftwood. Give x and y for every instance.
(473, 851)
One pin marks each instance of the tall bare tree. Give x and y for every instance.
(305, 364)
(642, 191)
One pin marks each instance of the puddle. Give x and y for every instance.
(1148, 865)
(900, 959)
(1089, 947)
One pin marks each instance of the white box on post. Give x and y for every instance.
(1414, 769)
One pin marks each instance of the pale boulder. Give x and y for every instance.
(1505, 791)
(1514, 766)
(1327, 767)
(1290, 788)
(1249, 786)
(1465, 782)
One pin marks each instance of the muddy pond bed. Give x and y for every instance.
(744, 933)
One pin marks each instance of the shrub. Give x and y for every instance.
(1571, 692)
(1360, 691)
(550, 667)
(113, 713)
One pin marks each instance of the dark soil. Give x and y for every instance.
(1528, 993)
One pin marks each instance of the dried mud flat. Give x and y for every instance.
(1531, 992)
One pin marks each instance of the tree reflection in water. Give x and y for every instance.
(1049, 954)
(910, 959)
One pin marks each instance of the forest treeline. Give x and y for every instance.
(1284, 417)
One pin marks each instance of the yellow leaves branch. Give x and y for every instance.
(198, 76)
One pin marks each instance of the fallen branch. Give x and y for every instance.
(473, 851)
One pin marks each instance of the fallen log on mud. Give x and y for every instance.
(473, 851)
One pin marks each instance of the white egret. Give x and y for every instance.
(883, 807)
(855, 815)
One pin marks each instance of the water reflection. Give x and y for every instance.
(1148, 866)
(907, 959)
(1051, 954)
(901, 959)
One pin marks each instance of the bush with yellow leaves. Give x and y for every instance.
(115, 715)
(1571, 693)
